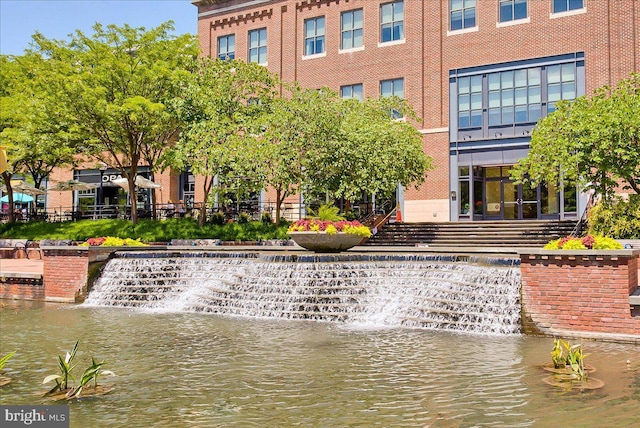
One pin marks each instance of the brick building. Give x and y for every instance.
(479, 73)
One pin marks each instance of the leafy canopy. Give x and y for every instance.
(592, 142)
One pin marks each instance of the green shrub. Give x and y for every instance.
(244, 218)
(620, 219)
(266, 217)
(218, 218)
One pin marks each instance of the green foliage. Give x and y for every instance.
(6, 358)
(145, 231)
(564, 354)
(221, 105)
(591, 141)
(116, 88)
(327, 212)
(218, 218)
(619, 219)
(244, 218)
(66, 367)
(266, 218)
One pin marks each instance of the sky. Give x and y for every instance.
(56, 19)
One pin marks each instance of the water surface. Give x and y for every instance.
(203, 370)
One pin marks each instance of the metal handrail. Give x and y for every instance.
(583, 217)
(384, 220)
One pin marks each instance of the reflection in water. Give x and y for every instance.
(201, 370)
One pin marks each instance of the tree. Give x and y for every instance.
(219, 106)
(38, 139)
(299, 122)
(372, 152)
(116, 86)
(592, 142)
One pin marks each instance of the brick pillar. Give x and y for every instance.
(580, 291)
(65, 273)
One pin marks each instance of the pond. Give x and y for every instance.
(203, 370)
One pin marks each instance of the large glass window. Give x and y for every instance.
(314, 36)
(497, 104)
(227, 47)
(567, 5)
(351, 29)
(511, 10)
(463, 14)
(561, 84)
(352, 91)
(258, 46)
(514, 96)
(392, 21)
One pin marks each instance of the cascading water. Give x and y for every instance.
(420, 291)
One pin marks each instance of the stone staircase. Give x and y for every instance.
(472, 234)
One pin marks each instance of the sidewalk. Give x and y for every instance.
(22, 266)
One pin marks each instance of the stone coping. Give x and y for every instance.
(609, 253)
(21, 275)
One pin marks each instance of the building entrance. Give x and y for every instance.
(505, 200)
(488, 193)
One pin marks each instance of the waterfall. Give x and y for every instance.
(416, 291)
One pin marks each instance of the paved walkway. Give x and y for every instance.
(23, 266)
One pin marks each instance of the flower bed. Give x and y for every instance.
(110, 241)
(588, 242)
(325, 236)
(331, 227)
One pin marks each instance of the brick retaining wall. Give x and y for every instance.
(22, 287)
(580, 292)
(66, 271)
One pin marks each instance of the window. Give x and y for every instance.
(351, 29)
(567, 5)
(351, 91)
(392, 21)
(511, 10)
(314, 36)
(561, 84)
(470, 102)
(463, 14)
(258, 46)
(392, 88)
(506, 100)
(514, 96)
(227, 47)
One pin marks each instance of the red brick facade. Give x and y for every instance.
(606, 31)
(579, 293)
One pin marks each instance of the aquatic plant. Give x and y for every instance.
(566, 355)
(3, 379)
(62, 390)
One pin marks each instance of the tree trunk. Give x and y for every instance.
(7, 182)
(133, 192)
(208, 183)
(279, 199)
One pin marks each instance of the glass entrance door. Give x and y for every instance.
(505, 200)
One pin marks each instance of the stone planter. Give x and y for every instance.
(321, 242)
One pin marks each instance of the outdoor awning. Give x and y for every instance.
(24, 187)
(73, 185)
(140, 181)
(20, 198)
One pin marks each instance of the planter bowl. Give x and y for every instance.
(321, 242)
